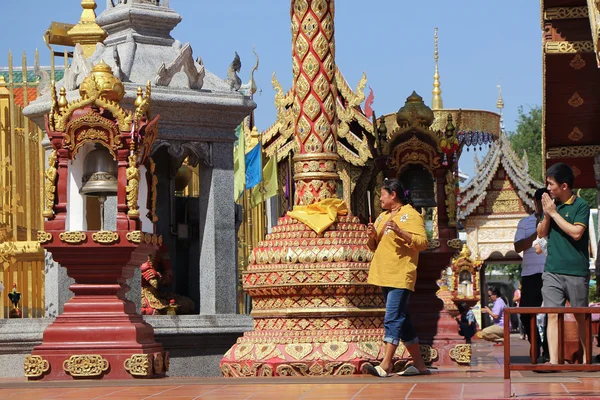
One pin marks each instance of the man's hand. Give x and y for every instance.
(548, 205)
(486, 310)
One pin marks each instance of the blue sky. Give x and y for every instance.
(482, 43)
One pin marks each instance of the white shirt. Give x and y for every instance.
(532, 263)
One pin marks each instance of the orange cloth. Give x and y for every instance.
(395, 261)
(320, 215)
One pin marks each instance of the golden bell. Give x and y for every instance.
(99, 174)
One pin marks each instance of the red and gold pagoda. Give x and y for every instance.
(99, 150)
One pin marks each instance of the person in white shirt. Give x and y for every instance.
(532, 267)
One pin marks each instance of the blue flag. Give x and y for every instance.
(253, 167)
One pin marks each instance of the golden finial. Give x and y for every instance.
(62, 100)
(139, 98)
(436, 102)
(500, 102)
(87, 32)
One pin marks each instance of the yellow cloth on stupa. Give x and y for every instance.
(320, 215)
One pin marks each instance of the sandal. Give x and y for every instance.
(411, 370)
(376, 371)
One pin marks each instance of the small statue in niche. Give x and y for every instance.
(157, 272)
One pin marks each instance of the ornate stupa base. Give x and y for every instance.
(309, 353)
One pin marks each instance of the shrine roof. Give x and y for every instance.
(500, 155)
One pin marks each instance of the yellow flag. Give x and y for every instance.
(268, 187)
(239, 164)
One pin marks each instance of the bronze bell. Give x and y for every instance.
(99, 173)
(420, 183)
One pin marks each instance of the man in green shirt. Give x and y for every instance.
(566, 273)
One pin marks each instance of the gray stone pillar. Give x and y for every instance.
(218, 266)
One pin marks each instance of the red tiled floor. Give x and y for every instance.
(482, 380)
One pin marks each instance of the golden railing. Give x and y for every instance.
(21, 195)
(251, 232)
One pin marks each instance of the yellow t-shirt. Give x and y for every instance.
(395, 261)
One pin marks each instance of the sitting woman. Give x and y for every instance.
(495, 332)
(467, 325)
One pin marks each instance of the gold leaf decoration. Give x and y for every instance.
(575, 100)
(575, 134)
(461, 353)
(299, 351)
(35, 366)
(105, 237)
(134, 236)
(139, 365)
(44, 237)
(86, 365)
(577, 62)
(334, 349)
(72, 237)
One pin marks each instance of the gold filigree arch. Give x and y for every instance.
(414, 151)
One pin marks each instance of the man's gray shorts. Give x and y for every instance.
(559, 288)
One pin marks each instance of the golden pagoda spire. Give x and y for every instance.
(87, 32)
(500, 102)
(436, 102)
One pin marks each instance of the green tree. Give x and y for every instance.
(528, 136)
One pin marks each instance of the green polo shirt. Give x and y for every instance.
(566, 255)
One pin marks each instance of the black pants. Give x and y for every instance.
(531, 296)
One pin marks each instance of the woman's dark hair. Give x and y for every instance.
(538, 193)
(463, 307)
(395, 186)
(495, 291)
(561, 173)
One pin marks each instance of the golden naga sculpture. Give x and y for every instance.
(50, 186)
(133, 183)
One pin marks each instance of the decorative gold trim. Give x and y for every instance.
(72, 237)
(577, 62)
(167, 361)
(133, 184)
(35, 366)
(44, 237)
(461, 353)
(86, 365)
(575, 134)
(433, 244)
(561, 47)
(147, 238)
(554, 13)
(50, 185)
(135, 236)
(428, 353)
(576, 100)
(159, 364)
(105, 237)
(139, 364)
(573, 151)
(455, 243)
